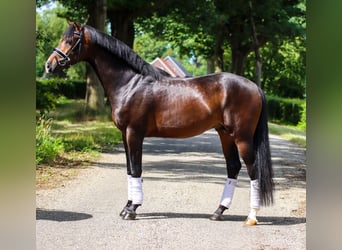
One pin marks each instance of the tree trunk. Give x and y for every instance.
(210, 65)
(95, 94)
(122, 26)
(256, 45)
(219, 51)
(258, 71)
(238, 59)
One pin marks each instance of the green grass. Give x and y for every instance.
(291, 133)
(74, 111)
(82, 138)
(82, 132)
(47, 146)
(87, 136)
(79, 133)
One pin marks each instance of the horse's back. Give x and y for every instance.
(234, 91)
(184, 107)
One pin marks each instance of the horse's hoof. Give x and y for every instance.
(250, 222)
(129, 215)
(123, 212)
(216, 217)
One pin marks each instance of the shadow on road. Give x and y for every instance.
(58, 215)
(200, 158)
(263, 220)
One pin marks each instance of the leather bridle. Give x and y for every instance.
(65, 56)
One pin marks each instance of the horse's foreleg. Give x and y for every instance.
(129, 176)
(233, 169)
(133, 148)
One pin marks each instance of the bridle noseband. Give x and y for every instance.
(65, 56)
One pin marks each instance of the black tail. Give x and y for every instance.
(263, 161)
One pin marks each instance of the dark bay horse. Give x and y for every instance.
(147, 102)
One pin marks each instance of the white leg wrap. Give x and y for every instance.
(129, 187)
(136, 190)
(228, 192)
(255, 194)
(255, 199)
(253, 213)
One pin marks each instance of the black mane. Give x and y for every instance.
(122, 51)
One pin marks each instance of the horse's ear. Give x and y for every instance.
(78, 26)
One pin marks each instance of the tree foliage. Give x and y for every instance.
(150, 48)
(49, 30)
(203, 33)
(221, 31)
(284, 68)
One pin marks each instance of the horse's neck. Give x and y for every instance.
(113, 74)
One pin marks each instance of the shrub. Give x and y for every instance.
(47, 147)
(285, 110)
(46, 95)
(274, 110)
(79, 142)
(72, 89)
(49, 91)
(302, 123)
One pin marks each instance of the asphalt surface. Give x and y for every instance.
(183, 183)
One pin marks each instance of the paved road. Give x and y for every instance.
(183, 182)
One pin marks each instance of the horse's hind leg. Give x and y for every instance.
(247, 153)
(233, 168)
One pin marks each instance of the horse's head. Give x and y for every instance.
(68, 51)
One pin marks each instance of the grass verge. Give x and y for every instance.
(82, 139)
(291, 133)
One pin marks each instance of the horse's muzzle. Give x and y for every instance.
(49, 67)
(54, 66)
